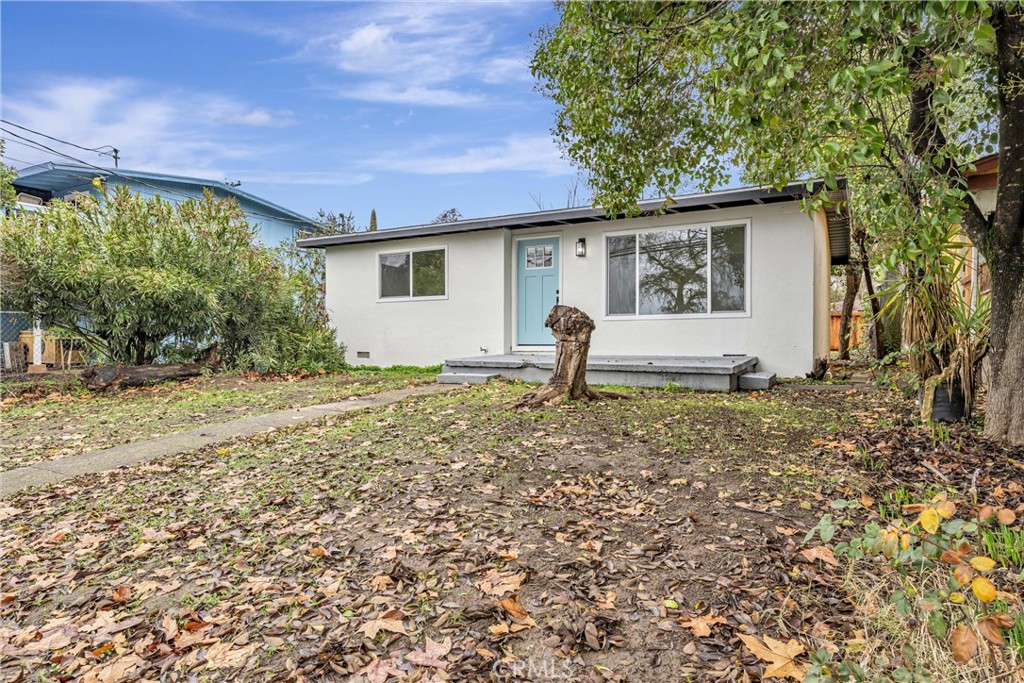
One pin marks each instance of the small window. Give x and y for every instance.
(413, 274)
(540, 256)
(622, 275)
(728, 269)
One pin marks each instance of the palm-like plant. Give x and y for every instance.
(945, 336)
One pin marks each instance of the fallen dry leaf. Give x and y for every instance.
(989, 630)
(779, 657)
(224, 655)
(381, 582)
(156, 535)
(963, 574)
(964, 642)
(701, 625)
(113, 671)
(609, 600)
(169, 626)
(498, 584)
(390, 621)
(516, 611)
(821, 552)
(431, 654)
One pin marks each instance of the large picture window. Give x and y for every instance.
(413, 274)
(694, 270)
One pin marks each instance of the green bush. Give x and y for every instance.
(141, 279)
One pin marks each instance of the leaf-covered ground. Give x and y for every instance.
(37, 427)
(443, 538)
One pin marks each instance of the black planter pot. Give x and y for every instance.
(948, 406)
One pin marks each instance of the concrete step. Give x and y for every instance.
(752, 381)
(466, 377)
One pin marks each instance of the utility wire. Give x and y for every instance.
(161, 190)
(17, 161)
(107, 150)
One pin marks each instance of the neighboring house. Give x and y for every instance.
(982, 181)
(741, 272)
(275, 224)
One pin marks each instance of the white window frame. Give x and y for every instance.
(747, 242)
(381, 299)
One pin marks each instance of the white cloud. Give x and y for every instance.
(388, 93)
(225, 111)
(330, 178)
(506, 69)
(431, 54)
(171, 131)
(531, 153)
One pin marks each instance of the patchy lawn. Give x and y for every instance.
(445, 537)
(36, 427)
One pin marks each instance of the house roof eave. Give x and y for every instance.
(536, 219)
(48, 176)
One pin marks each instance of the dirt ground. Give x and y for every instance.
(445, 538)
(43, 425)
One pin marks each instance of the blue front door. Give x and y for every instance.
(536, 289)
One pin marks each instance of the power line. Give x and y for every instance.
(162, 190)
(17, 161)
(106, 150)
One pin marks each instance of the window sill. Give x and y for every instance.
(399, 299)
(682, 316)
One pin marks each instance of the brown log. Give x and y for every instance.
(571, 328)
(103, 377)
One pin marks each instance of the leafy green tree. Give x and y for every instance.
(899, 98)
(373, 220)
(8, 197)
(330, 223)
(448, 216)
(138, 278)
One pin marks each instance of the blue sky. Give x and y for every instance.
(406, 107)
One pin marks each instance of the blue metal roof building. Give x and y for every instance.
(275, 224)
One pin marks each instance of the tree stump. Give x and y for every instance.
(571, 328)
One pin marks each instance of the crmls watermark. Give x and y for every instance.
(530, 669)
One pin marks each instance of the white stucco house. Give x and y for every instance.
(740, 272)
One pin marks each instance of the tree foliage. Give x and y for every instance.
(138, 279)
(8, 197)
(899, 98)
(330, 223)
(448, 216)
(654, 95)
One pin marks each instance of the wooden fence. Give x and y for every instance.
(856, 329)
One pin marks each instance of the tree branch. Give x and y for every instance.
(929, 144)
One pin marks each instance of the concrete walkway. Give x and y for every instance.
(50, 471)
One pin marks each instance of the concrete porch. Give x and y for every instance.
(703, 373)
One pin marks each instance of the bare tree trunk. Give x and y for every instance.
(877, 323)
(571, 328)
(1004, 415)
(1002, 240)
(852, 286)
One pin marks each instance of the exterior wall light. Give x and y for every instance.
(581, 246)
